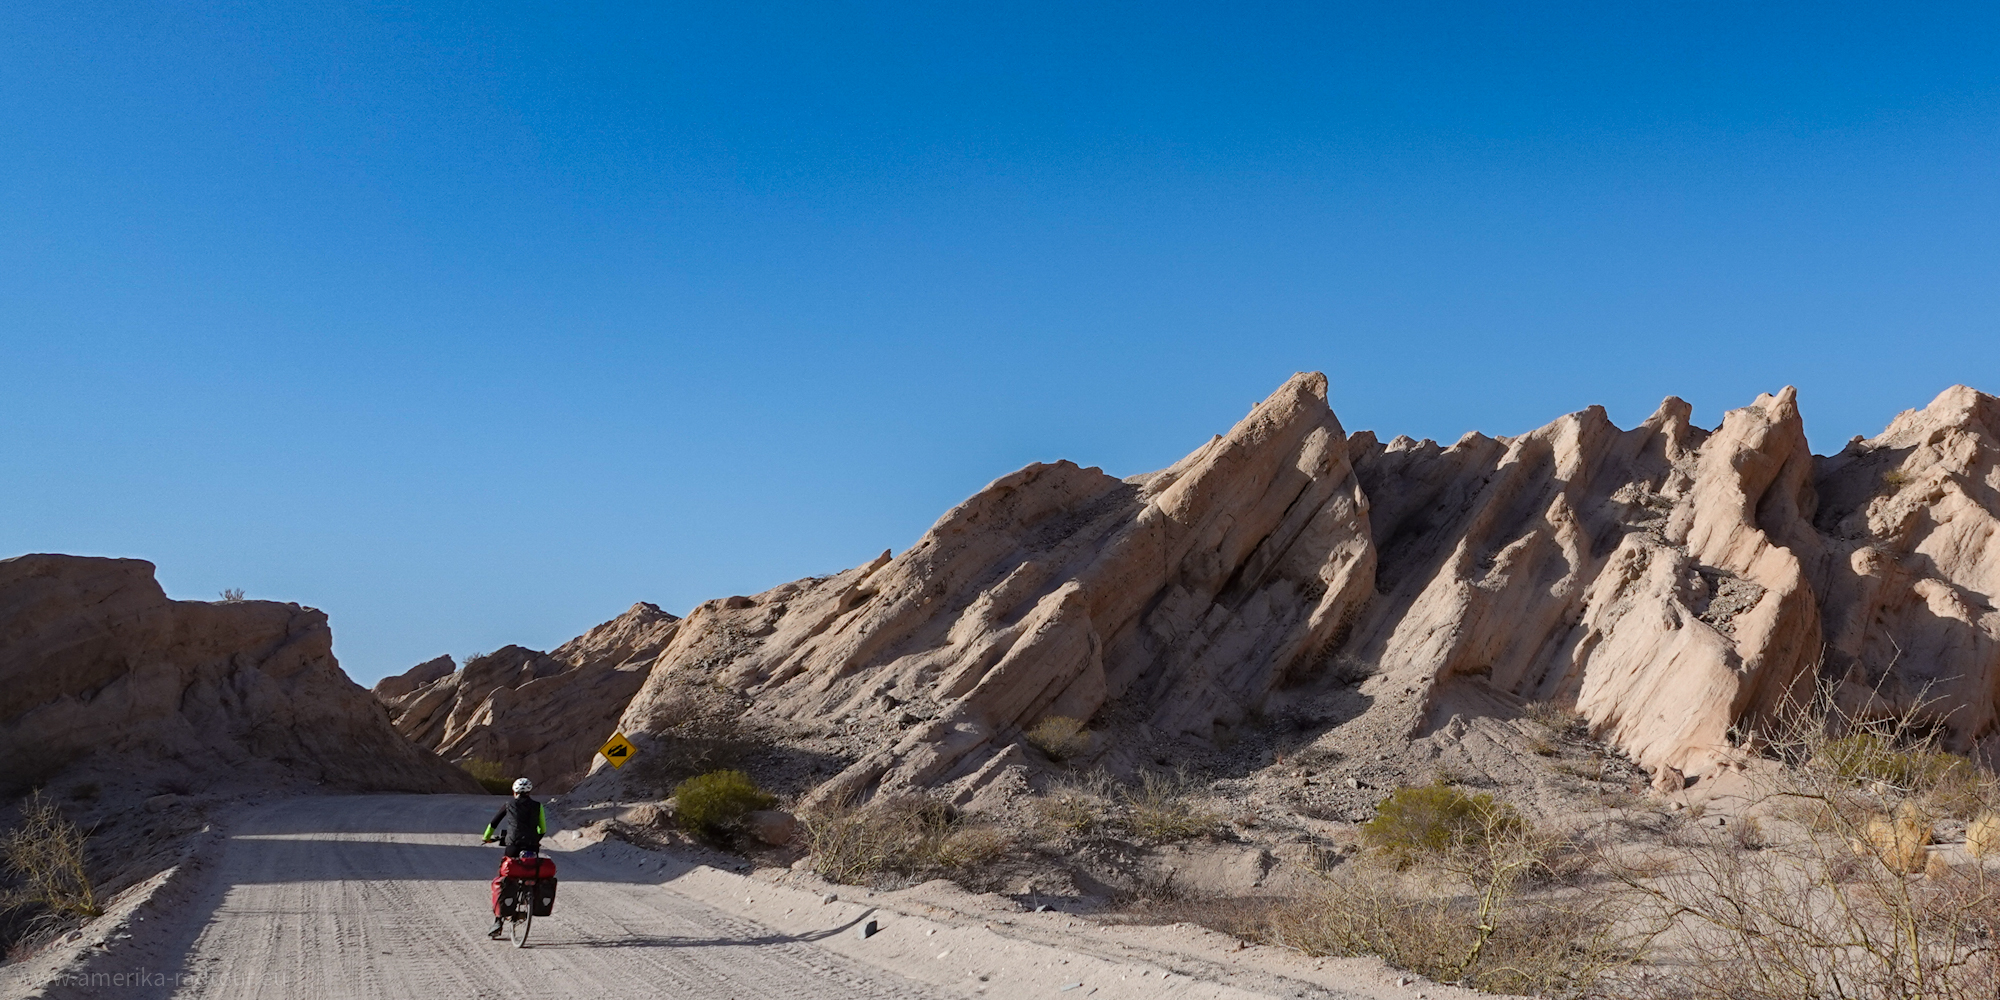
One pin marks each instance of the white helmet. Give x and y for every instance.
(522, 785)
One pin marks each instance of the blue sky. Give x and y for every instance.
(473, 323)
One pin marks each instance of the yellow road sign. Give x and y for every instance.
(617, 750)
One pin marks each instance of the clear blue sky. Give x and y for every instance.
(473, 323)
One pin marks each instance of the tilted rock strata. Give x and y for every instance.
(542, 715)
(1911, 563)
(1671, 583)
(98, 668)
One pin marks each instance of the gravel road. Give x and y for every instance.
(331, 898)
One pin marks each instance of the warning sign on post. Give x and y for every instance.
(617, 750)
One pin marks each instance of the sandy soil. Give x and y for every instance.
(386, 896)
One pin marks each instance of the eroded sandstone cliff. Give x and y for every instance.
(1677, 586)
(101, 673)
(529, 713)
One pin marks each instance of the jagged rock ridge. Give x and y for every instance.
(1675, 585)
(101, 672)
(536, 714)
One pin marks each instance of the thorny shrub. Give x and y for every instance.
(1076, 806)
(47, 851)
(1461, 911)
(1848, 902)
(1166, 807)
(911, 836)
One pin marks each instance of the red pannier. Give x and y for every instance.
(507, 885)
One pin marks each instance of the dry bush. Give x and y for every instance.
(910, 836)
(1836, 910)
(1748, 833)
(1563, 722)
(1076, 807)
(1465, 913)
(47, 851)
(1059, 736)
(1165, 807)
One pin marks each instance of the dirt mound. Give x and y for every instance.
(101, 674)
(524, 712)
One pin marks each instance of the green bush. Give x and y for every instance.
(491, 775)
(1435, 819)
(711, 804)
(1060, 736)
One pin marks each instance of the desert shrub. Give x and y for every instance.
(909, 835)
(711, 804)
(1869, 756)
(47, 851)
(1075, 807)
(491, 775)
(232, 595)
(1464, 915)
(1164, 807)
(1433, 819)
(1848, 902)
(1059, 736)
(1748, 833)
(1895, 479)
(1564, 722)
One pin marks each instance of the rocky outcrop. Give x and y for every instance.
(542, 715)
(1677, 586)
(101, 673)
(1911, 565)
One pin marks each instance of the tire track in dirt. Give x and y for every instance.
(344, 898)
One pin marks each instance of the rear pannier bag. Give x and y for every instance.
(509, 884)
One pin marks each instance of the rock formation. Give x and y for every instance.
(1676, 586)
(536, 714)
(101, 673)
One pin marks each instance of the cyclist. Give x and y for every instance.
(519, 826)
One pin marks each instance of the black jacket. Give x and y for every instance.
(525, 821)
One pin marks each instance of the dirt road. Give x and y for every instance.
(386, 896)
(345, 898)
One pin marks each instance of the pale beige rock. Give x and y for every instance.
(1982, 835)
(1676, 586)
(99, 670)
(1184, 596)
(539, 715)
(774, 827)
(1912, 566)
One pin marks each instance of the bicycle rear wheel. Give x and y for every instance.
(524, 918)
